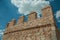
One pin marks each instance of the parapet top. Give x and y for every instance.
(12, 23)
(46, 7)
(31, 17)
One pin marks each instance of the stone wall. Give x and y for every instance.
(47, 17)
(46, 32)
(34, 29)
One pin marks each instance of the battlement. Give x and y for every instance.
(11, 23)
(32, 16)
(20, 20)
(33, 21)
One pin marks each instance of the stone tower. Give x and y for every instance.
(34, 29)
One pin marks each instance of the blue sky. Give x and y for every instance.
(8, 11)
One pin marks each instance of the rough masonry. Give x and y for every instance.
(43, 28)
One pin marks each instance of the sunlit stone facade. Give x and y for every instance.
(34, 29)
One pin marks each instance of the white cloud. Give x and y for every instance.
(1, 32)
(58, 15)
(27, 6)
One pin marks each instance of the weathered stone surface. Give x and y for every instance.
(43, 33)
(34, 29)
(21, 20)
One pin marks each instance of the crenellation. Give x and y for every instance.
(30, 24)
(46, 12)
(32, 16)
(20, 20)
(34, 29)
(11, 23)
